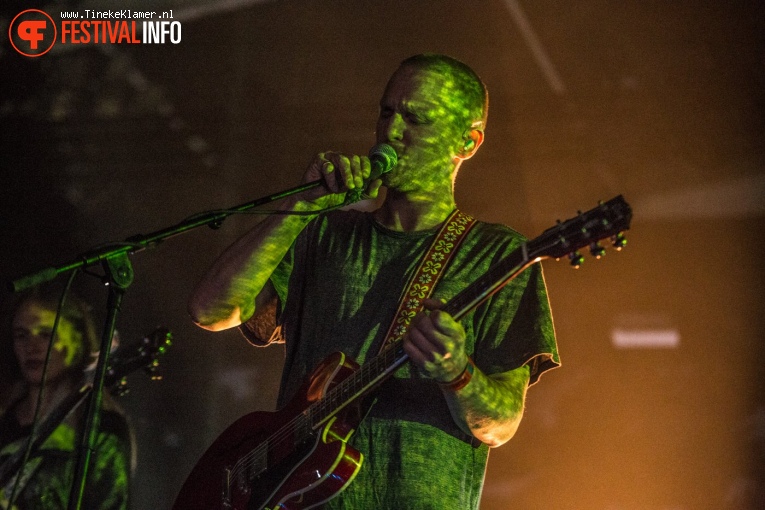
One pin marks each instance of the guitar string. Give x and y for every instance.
(504, 268)
(460, 301)
(255, 456)
(317, 408)
(286, 431)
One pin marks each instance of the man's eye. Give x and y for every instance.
(416, 119)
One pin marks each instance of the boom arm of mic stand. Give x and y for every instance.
(140, 242)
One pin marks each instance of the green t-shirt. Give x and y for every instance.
(339, 287)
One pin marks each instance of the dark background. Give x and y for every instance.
(659, 101)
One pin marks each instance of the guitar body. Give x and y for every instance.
(267, 461)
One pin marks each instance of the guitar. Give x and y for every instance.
(124, 361)
(298, 457)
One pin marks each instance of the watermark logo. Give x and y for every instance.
(32, 33)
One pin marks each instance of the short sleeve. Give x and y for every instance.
(515, 328)
(263, 328)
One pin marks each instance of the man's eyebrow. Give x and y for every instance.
(421, 106)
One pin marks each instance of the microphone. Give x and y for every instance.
(383, 158)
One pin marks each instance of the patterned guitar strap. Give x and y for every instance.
(428, 273)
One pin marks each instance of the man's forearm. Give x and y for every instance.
(226, 295)
(490, 407)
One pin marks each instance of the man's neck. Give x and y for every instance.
(404, 212)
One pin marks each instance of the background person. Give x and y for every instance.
(51, 469)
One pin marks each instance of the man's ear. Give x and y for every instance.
(473, 140)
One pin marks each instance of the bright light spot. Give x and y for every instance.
(645, 338)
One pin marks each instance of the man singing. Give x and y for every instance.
(334, 281)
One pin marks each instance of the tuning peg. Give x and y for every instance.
(619, 241)
(122, 388)
(597, 250)
(153, 370)
(151, 367)
(576, 259)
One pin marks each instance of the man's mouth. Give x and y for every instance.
(399, 150)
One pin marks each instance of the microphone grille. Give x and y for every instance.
(385, 154)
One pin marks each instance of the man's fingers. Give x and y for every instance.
(423, 343)
(341, 172)
(357, 171)
(374, 188)
(366, 167)
(329, 176)
(433, 304)
(444, 323)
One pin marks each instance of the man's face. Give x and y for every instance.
(422, 118)
(31, 329)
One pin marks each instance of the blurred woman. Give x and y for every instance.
(49, 472)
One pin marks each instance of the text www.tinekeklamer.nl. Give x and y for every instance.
(119, 27)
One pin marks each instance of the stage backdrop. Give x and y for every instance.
(659, 402)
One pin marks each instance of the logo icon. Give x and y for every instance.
(32, 33)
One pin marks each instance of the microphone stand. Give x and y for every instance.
(118, 277)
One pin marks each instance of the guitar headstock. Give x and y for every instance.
(145, 354)
(606, 221)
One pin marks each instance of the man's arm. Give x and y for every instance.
(236, 284)
(490, 407)
(487, 407)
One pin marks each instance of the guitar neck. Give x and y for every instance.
(382, 366)
(606, 220)
(494, 279)
(358, 384)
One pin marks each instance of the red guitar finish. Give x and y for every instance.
(297, 458)
(249, 466)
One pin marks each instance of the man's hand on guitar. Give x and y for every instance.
(436, 343)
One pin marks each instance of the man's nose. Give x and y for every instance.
(394, 130)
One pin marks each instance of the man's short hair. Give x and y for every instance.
(470, 85)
